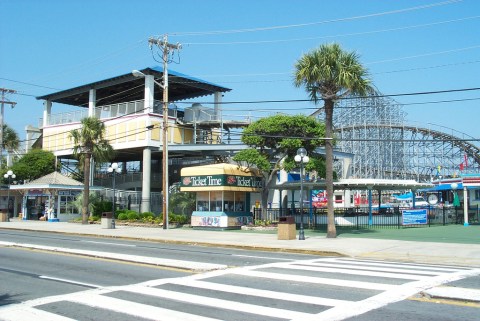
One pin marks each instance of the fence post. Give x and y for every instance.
(443, 214)
(356, 218)
(398, 218)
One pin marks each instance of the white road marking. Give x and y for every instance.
(109, 243)
(316, 280)
(444, 268)
(216, 303)
(69, 281)
(181, 264)
(396, 294)
(264, 257)
(259, 293)
(135, 309)
(27, 313)
(340, 265)
(345, 270)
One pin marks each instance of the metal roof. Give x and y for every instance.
(357, 184)
(54, 180)
(127, 87)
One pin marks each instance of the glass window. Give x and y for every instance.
(229, 201)
(240, 201)
(216, 201)
(66, 204)
(203, 201)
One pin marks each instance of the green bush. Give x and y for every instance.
(123, 216)
(132, 215)
(94, 218)
(101, 206)
(146, 215)
(177, 218)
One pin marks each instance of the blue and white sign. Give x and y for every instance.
(414, 217)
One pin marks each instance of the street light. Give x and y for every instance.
(164, 86)
(114, 169)
(9, 175)
(302, 159)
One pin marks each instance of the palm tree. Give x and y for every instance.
(88, 142)
(329, 73)
(10, 141)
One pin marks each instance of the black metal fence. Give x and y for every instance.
(358, 217)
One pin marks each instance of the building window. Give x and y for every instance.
(477, 194)
(66, 204)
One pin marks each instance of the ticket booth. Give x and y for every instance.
(223, 194)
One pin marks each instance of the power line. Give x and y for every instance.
(330, 36)
(221, 32)
(344, 98)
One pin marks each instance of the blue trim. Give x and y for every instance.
(53, 220)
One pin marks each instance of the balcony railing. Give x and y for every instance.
(107, 112)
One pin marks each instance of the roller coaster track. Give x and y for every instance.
(461, 143)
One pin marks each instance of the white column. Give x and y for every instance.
(217, 104)
(147, 170)
(92, 101)
(47, 111)
(465, 206)
(347, 196)
(149, 94)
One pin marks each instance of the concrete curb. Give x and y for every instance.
(193, 266)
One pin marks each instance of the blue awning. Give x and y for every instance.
(447, 187)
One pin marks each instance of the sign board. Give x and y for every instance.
(414, 217)
(221, 180)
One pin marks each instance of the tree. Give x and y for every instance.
(88, 142)
(10, 140)
(34, 164)
(274, 142)
(182, 201)
(329, 73)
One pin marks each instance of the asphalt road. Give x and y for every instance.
(42, 285)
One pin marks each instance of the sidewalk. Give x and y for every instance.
(350, 245)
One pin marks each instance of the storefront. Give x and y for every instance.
(50, 198)
(223, 194)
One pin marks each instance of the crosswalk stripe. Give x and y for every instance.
(371, 268)
(316, 280)
(23, 313)
(397, 264)
(260, 293)
(216, 303)
(135, 309)
(356, 272)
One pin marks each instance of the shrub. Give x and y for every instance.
(123, 216)
(146, 215)
(178, 218)
(94, 218)
(132, 215)
(101, 206)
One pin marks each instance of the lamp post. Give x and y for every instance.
(9, 175)
(164, 86)
(301, 158)
(114, 169)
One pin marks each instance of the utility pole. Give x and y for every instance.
(3, 102)
(165, 47)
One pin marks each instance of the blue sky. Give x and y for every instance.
(408, 46)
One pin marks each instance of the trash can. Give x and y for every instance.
(286, 228)
(107, 220)
(4, 217)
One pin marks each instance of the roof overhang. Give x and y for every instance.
(127, 87)
(357, 184)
